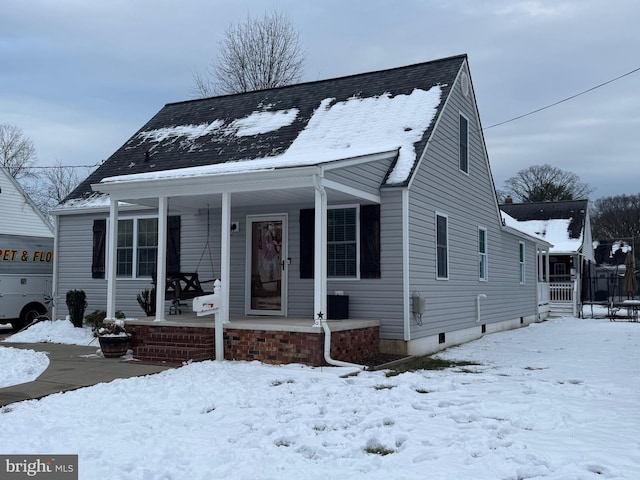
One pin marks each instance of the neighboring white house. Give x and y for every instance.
(565, 266)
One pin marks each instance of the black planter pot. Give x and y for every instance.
(114, 347)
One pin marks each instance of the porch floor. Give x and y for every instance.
(267, 323)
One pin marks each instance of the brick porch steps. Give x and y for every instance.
(172, 355)
(171, 345)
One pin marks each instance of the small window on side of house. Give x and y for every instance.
(522, 258)
(482, 254)
(463, 152)
(442, 247)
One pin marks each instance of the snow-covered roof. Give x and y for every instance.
(337, 130)
(554, 231)
(560, 223)
(300, 125)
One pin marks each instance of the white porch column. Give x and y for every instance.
(54, 286)
(547, 266)
(320, 256)
(225, 254)
(161, 263)
(540, 266)
(112, 256)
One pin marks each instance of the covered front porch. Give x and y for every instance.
(269, 306)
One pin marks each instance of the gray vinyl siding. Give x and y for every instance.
(468, 202)
(367, 177)
(389, 295)
(368, 298)
(75, 250)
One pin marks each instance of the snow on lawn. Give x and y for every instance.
(56, 331)
(19, 366)
(556, 400)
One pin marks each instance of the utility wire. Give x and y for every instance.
(563, 100)
(483, 129)
(64, 166)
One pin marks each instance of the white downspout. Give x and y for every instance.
(482, 295)
(321, 274)
(327, 351)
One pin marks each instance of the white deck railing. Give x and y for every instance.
(561, 292)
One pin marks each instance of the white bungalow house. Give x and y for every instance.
(564, 268)
(343, 217)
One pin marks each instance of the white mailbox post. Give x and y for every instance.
(210, 305)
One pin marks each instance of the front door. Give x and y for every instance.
(266, 279)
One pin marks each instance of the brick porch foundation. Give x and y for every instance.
(176, 344)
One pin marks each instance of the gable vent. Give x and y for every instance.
(464, 84)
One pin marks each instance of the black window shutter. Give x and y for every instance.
(307, 241)
(370, 241)
(99, 240)
(173, 244)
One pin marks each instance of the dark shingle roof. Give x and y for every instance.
(569, 209)
(141, 154)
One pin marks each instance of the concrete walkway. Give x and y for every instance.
(72, 367)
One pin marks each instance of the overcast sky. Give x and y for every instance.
(80, 77)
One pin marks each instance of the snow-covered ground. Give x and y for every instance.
(556, 400)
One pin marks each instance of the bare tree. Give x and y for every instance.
(616, 217)
(17, 153)
(544, 183)
(52, 186)
(260, 53)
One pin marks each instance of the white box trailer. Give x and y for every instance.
(26, 278)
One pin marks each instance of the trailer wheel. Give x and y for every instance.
(28, 315)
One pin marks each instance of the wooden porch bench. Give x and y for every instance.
(181, 286)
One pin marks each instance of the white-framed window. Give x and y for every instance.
(343, 252)
(442, 247)
(137, 247)
(522, 257)
(463, 144)
(482, 254)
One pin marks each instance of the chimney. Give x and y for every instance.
(508, 199)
